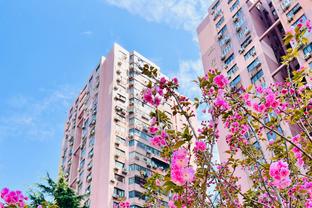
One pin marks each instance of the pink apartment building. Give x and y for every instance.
(243, 39)
(106, 152)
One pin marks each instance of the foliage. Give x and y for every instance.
(63, 196)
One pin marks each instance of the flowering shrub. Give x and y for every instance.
(267, 130)
(12, 199)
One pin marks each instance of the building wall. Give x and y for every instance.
(106, 152)
(266, 23)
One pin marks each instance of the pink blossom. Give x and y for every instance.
(200, 146)
(280, 173)
(175, 81)
(220, 81)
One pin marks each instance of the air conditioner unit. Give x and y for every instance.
(223, 57)
(258, 64)
(241, 50)
(235, 19)
(220, 36)
(254, 54)
(119, 63)
(226, 66)
(290, 19)
(238, 28)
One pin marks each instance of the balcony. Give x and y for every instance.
(285, 5)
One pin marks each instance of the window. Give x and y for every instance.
(83, 152)
(119, 165)
(234, 6)
(232, 70)
(226, 49)
(272, 136)
(308, 49)
(135, 194)
(137, 180)
(219, 23)
(120, 152)
(293, 11)
(131, 143)
(229, 60)
(119, 178)
(224, 40)
(223, 30)
(139, 133)
(216, 5)
(302, 20)
(135, 206)
(82, 163)
(135, 167)
(91, 141)
(310, 65)
(253, 65)
(120, 140)
(246, 42)
(91, 153)
(119, 192)
(257, 76)
(257, 145)
(250, 53)
(235, 81)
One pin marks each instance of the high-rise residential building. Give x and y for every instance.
(106, 152)
(243, 39)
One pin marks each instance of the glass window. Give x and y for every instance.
(119, 192)
(302, 20)
(308, 49)
(223, 30)
(82, 162)
(120, 140)
(131, 143)
(235, 81)
(135, 194)
(250, 53)
(119, 178)
(120, 152)
(119, 165)
(253, 65)
(246, 42)
(257, 76)
(257, 145)
(232, 70)
(234, 6)
(216, 5)
(139, 133)
(294, 11)
(135, 167)
(230, 59)
(91, 141)
(219, 23)
(226, 49)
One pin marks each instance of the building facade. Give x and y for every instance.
(106, 152)
(243, 39)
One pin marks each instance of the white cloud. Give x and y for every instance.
(181, 14)
(35, 118)
(188, 71)
(87, 33)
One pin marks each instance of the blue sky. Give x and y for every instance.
(48, 49)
